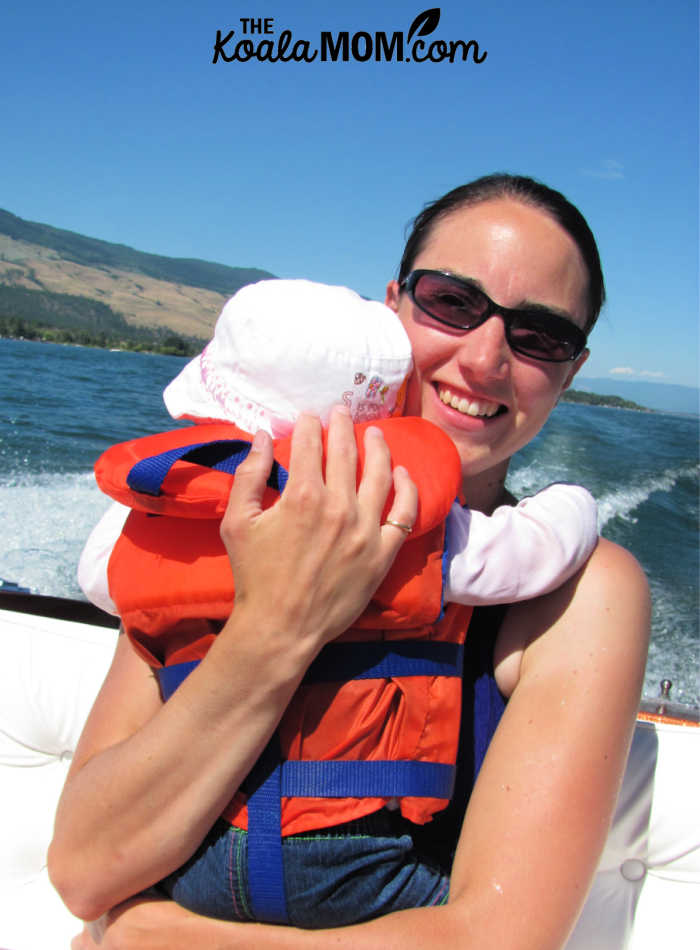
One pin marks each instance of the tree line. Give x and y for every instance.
(593, 399)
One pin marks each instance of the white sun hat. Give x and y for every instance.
(282, 347)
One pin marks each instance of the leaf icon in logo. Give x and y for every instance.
(424, 23)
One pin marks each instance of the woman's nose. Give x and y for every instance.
(484, 351)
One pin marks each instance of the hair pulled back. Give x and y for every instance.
(527, 191)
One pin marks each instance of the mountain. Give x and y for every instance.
(57, 278)
(666, 397)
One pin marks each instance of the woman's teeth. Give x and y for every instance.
(470, 407)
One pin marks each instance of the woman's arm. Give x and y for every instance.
(149, 779)
(573, 665)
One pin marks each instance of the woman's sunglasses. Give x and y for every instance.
(460, 304)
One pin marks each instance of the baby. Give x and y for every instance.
(320, 834)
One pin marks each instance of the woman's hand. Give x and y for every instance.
(321, 550)
(142, 923)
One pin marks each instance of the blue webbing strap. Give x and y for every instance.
(338, 662)
(265, 864)
(382, 659)
(224, 455)
(170, 677)
(344, 778)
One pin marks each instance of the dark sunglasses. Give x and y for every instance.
(460, 304)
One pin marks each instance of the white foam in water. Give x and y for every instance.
(530, 479)
(621, 503)
(46, 521)
(673, 651)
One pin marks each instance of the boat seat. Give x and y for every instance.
(48, 683)
(646, 892)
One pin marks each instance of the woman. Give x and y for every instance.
(149, 780)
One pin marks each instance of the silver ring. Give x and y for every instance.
(406, 528)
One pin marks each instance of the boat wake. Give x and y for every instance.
(623, 502)
(46, 521)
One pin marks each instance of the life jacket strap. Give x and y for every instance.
(170, 677)
(223, 455)
(366, 778)
(273, 779)
(338, 662)
(266, 889)
(382, 659)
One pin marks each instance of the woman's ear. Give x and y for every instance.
(578, 363)
(392, 295)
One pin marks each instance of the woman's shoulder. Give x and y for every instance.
(608, 555)
(605, 607)
(613, 576)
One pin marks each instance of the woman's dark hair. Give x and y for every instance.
(527, 191)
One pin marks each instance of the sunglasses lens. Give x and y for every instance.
(539, 338)
(450, 301)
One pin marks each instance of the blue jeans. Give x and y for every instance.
(337, 876)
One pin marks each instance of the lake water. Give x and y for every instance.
(61, 406)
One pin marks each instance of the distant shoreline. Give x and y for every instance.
(607, 402)
(169, 344)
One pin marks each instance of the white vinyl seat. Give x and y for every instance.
(48, 681)
(646, 892)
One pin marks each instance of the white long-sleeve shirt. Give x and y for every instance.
(519, 552)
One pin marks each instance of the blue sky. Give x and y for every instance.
(116, 124)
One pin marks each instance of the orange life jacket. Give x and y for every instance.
(387, 692)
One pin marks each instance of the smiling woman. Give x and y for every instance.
(567, 666)
(478, 385)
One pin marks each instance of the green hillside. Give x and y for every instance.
(59, 286)
(92, 252)
(67, 318)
